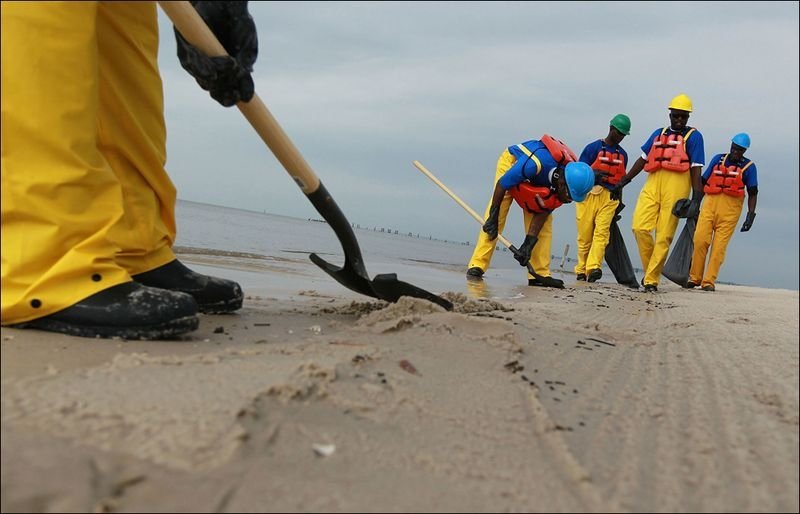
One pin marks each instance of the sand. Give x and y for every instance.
(592, 398)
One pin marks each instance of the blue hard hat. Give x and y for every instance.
(741, 139)
(580, 180)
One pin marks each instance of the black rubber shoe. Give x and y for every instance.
(650, 288)
(691, 285)
(475, 272)
(581, 276)
(709, 287)
(213, 295)
(595, 275)
(546, 282)
(127, 311)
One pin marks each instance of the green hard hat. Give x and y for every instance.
(621, 123)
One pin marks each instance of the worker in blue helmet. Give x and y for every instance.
(725, 181)
(540, 175)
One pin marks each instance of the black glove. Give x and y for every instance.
(617, 215)
(600, 177)
(616, 191)
(523, 253)
(748, 221)
(492, 222)
(226, 78)
(693, 211)
(681, 208)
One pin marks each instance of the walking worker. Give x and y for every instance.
(540, 175)
(673, 157)
(88, 210)
(725, 180)
(594, 215)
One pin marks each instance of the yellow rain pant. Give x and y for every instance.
(654, 212)
(484, 248)
(593, 218)
(718, 216)
(86, 201)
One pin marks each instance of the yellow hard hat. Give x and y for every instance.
(682, 103)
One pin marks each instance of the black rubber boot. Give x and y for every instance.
(546, 282)
(127, 311)
(581, 277)
(650, 288)
(691, 285)
(474, 272)
(595, 275)
(213, 295)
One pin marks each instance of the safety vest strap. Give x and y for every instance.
(535, 159)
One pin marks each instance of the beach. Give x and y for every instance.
(313, 398)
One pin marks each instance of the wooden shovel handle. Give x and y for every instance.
(196, 32)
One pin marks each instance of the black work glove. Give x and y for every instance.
(748, 221)
(600, 177)
(681, 208)
(616, 191)
(227, 78)
(617, 215)
(523, 253)
(492, 222)
(693, 211)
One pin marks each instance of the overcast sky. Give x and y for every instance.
(365, 88)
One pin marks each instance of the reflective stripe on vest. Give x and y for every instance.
(535, 199)
(726, 179)
(669, 153)
(530, 154)
(610, 162)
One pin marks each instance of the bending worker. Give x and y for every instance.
(673, 157)
(725, 180)
(540, 175)
(594, 215)
(88, 210)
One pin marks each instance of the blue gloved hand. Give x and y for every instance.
(748, 221)
(492, 223)
(523, 253)
(227, 79)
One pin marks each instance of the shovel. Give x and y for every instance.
(474, 214)
(353, 275)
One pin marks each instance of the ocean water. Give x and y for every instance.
(268, 255)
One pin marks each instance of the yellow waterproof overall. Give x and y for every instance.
(593, 218)
(654, 212)
(718, 216)
(86, 201)
(484, 248)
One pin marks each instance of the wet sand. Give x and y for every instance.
(592, 398)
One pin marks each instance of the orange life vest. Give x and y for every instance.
(669, 153)
(726, 179)
(561, 152)
(526, 194)
(610, 162)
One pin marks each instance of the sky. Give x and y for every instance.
(365, 88)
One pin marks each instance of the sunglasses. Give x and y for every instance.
(679, 115)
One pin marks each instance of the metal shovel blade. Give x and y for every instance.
(353, 275)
